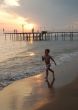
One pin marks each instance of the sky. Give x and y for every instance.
(40, 14)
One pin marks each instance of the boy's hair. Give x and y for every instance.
(48, 50)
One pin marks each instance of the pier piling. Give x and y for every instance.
(40, 36)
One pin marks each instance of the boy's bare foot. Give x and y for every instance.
(53, 81)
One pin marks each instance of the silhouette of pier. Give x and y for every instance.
(40, 36)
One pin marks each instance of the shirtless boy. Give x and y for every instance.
(47, 58)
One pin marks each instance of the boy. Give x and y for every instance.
(47, 58)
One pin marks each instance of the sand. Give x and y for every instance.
(35, 93)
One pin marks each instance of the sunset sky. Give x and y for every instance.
(51, 14)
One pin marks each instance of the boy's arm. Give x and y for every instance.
(53, 60)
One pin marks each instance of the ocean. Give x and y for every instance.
(21, 59)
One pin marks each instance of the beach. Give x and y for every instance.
(34, 93)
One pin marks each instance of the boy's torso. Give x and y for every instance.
(47, 59)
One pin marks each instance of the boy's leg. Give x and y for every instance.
(53, 73)
(46, 74)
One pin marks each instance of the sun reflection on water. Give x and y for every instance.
(31, 54)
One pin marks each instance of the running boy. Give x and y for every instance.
(47, 58)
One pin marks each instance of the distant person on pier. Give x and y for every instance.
(47, 58)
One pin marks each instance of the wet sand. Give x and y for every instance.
(65, 99)
(35, 93)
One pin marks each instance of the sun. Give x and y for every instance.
(29, 26)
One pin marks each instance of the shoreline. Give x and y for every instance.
(62, 78)
(41, 95)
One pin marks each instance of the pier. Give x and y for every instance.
(41, 36)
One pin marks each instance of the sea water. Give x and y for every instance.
(20, 59)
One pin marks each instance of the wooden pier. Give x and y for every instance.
(44, 35)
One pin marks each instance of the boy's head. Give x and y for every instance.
(47, 51)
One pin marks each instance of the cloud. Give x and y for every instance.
(49, 13)
(10, 18)
(9, 3)
(12, 2)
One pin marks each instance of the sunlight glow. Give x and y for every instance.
(31, 40)
(15, 21)
(32, 54)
